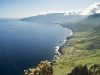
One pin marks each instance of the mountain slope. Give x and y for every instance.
(83, 47)
(88, 22)
(54, 17)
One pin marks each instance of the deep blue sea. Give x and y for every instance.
(25, 44)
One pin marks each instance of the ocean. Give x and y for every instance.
(24, 44)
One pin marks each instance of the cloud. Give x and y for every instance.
(92, 9)
(72, 12)
(45, 12)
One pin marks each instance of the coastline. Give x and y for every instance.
(58, 49)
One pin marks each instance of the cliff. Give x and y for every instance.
(44, 68)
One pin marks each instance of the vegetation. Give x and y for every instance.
(83, 70)
(44, 68)
(83, 48)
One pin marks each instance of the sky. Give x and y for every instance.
(25, 8)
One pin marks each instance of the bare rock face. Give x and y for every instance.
(44, 68)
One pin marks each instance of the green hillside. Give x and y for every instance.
(83, 48)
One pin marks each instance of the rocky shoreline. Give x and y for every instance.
(58, 49)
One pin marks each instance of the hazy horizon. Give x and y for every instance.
(26, 8)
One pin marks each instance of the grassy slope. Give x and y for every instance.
(82, 48)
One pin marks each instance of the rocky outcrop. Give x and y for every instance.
(44, 68)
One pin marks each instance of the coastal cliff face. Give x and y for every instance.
(44, 68)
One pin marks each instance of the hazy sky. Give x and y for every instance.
(24, 8)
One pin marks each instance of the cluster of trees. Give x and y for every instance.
(83, 70)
